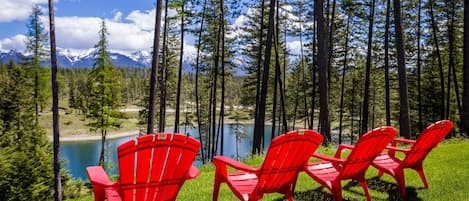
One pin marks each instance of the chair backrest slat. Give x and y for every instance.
(367, 148)
(426, 141)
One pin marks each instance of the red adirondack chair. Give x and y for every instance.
(332, 170)
(414, 156)
(153, 167)
(286, 156)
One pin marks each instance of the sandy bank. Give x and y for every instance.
(94, 137)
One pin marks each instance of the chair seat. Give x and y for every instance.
(243, 182)
(384, 161)
(324, 172)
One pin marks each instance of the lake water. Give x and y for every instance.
(79, 155)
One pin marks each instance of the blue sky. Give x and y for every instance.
(77, 22)
(129, 22)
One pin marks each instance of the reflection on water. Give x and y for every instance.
(79, 155)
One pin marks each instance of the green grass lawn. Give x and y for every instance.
(446, 168)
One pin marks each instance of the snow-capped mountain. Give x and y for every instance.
(70, 58)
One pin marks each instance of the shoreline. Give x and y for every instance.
(92, 137)
(111, 135)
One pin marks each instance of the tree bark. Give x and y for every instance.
(386, 64)
(154, 68)
(259, 60)
(181, 54)
(419, 74)
(451, 57)
(162, 120)
(55, 105)
(465, 101)
(404, 121)
(222, 105)
(342, 86)
(366, 95)
(259, 123)
(324, 120)
(440, 64)
(197, 104)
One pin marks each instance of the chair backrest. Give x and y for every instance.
(427, 140)
(286, 156)
(367, 148)
(154, 167)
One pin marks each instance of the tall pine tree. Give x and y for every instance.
(104, 91)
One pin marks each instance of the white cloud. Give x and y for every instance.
(190, 52)
(11, 10)
(294, 47)
(144, 20)
(117, 16)
(133, 32)
(16, 42)
(82, 33)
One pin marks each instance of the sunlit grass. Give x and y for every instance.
(446, 168)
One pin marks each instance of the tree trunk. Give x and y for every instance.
(154, 68)
(162, 119)
(386, 64)
(451, 58)
(55, 105)
(419, 74)
(277, 71)
(352, 106)
(342, 86)
(214, 104)
(465, 97)
(181, 54)
(103, 144)
(222, 105)
(404, 121)
(259, 123)
(313, 71)
(259, 60)
(440, 64)
(366, 96)
(197, 104)
(323, 80)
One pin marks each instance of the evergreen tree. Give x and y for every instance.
(26, 156)
(104, 91)
(36, 45)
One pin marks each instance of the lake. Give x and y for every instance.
(79, 155)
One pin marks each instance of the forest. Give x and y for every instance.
(341, 67)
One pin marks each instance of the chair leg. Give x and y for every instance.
(421, 173)
(380, 173)
(365, 188)
(216, 189)
(400, 178)
(289, 196)
(289, 193)
(336, 190)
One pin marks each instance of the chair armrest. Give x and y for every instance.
(328, 158)
(218, 161)
(402, 140)
(340, 149)
(98, 176)
(390, 148)
(192, 173)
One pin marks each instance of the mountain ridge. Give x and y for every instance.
(69, 58)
